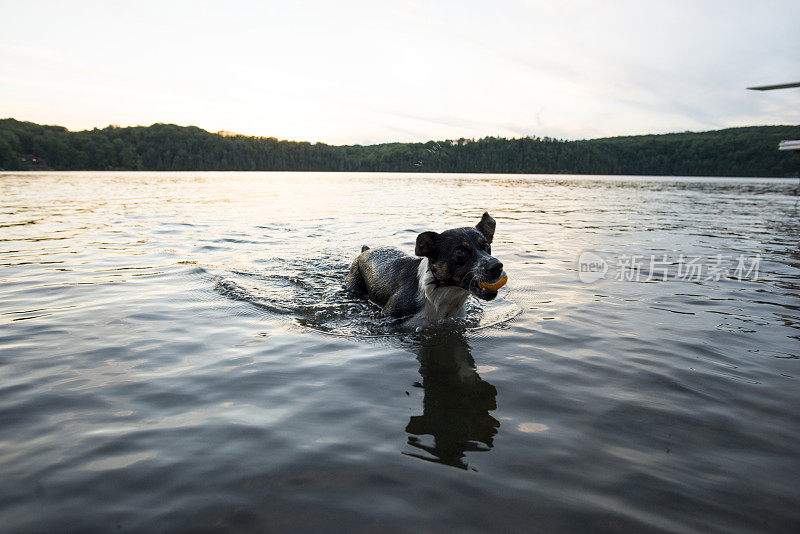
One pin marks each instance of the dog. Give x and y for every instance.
(450, 266)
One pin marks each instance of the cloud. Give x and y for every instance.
(371, 72)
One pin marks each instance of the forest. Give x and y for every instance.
(745, 151)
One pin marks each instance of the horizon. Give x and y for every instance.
(228, 133)
(405, 72)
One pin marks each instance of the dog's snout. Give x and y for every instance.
(495, 269)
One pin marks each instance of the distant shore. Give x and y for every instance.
(745, 151)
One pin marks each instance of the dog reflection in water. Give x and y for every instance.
(456, 405)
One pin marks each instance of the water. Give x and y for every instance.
(176, 353)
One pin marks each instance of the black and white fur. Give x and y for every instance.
(436, 284)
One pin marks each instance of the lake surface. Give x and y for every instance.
(176, 353)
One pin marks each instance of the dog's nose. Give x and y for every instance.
(495, 269)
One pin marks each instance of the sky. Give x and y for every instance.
(345, 72)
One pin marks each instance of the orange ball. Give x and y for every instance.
(497, 285)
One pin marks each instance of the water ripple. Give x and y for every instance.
(167, 363)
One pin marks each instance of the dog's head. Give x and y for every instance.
(463, 257)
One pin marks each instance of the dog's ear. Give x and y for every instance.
(426, 244)
(486, 226)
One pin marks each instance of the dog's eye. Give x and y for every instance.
(488, 248)
(460, 254)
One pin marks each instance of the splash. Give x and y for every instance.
(310, 294)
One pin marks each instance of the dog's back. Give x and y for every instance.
(389, 278)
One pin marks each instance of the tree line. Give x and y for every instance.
(746, 151)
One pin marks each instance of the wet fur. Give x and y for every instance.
(432, 287)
